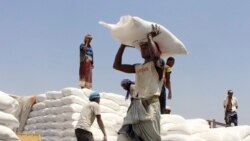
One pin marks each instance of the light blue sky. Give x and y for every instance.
(39, 49)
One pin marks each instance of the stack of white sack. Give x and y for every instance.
(8, 123)
(176, 128)
(236, 133)
(55, 114)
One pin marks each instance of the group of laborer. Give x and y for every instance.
(147, 93)
(142, 121)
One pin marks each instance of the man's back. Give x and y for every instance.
(88, 115)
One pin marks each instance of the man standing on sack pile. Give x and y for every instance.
(231, 106)
(142, 122)
(86, 63)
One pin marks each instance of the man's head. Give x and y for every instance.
(125, 83)
(170, 61)
(230, 93)
(94, 96)
(88, 38)
(144, 47)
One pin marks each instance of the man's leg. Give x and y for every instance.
(227, 119)
(162, 99)
(235, 119)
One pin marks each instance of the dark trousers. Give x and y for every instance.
(83, 135)
(162, 99)
(231, 117)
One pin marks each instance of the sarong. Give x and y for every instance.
(85, 73)
(145, 121)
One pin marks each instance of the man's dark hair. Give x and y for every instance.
(170, 59)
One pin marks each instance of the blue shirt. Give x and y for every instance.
(88, 52)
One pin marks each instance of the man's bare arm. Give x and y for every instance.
(118, 62)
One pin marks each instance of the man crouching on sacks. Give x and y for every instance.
(142, 122)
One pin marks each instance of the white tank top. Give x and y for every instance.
(147, 80)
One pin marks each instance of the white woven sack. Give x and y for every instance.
(69, 138)
(39, 106)
(71, 116)
(242, 130)
(69, 124)
(172, 118)
(71, 99)
(74, 91)
(120, 100)
(74, 108)
(109, 103)
(7, 103)
(6, 134)
(133, 30)
(188, 128)
(8, 120)
(41, 98)
(69, 132)
(54, 94)
(180, 137)
(246, 138)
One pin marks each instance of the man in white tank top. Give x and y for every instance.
(143, 116)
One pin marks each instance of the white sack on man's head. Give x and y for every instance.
(132, 30)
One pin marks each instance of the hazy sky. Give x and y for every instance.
(39, 49)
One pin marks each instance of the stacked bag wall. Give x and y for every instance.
(8, 122)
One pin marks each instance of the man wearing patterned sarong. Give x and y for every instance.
(86, 63)
(142, 122)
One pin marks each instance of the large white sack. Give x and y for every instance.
(165, 127)
(7, 103)
(54, 94)
(74, 108)
(246, 139)
(105, 109)
(225, 134)
(71, 116)
(109, 103)
(172, 118)
(181, 137)
(188, 128)
(57, 103)
(74, 91)
(6, 134)
(197, 121)
(8, 120)
(57, 125)
(68, 138)
(38, 106)
(242, 131)
(69, 124)
(71, 99)
(40, 98)
(132, 30)
(49, 103)
(112, 116)
(210, 136)
(69, 132)
(116, 98)
(57, 132)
